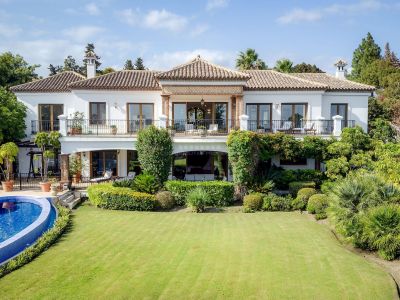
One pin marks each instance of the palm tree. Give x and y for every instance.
(249, 61)
(284, 65)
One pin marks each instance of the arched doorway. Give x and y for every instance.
(200, 165)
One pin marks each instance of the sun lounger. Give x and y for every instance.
(107, 176)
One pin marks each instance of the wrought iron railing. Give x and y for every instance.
(204, 127)
(44, 125)
(303, 127)
(107, 127)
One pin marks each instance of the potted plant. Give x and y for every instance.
(77, 123)
(260, 129)
(46, 141)
(8, 153)
(114, 129)
(55, 185)
(202, 129)
(75, 168)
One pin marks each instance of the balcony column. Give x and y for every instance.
(337, 125)
(63, 125)
(165, 105)
(163, 121)
(64, 168)
(239, 106)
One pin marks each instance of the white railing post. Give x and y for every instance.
(337, 125)
(320, 125)
(63, 125)
(244, 121)
(163, 121)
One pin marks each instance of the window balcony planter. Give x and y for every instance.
(114, 129)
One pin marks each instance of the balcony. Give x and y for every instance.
(196, 128)
(301, 127)
(44, 125)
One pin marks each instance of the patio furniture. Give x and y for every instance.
(309, 128)
(107, 176)
(286, 127)
(213, 128)
(131, 176)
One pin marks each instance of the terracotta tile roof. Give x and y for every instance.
(200, 69)
(52, 84)
(273, 80)
(120, 80)
(333, 83)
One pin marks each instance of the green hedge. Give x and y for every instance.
(295, 186)
(43, 243)
(221, 192)
(106, 196)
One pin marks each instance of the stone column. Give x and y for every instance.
(239, 105)
(165, 105)
(64, 168)
(337, 125)
(163, 121)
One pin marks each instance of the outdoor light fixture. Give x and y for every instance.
(276, 105)
(115, 105)
(202, 101)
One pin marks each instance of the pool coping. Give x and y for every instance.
(29, 234)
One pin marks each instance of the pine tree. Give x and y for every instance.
(388, 53)
(395, 60)
(53, 70)
(306, 68)
(139, 64)
(367, 52)
(129, 65)
(71, 65)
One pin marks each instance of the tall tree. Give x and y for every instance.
(129, 65)
(284, 65)
(391, 57)
(249, 60)
(71, 65)
(139, 64)
(53, 70)
(12, 116)
(306, 68)
(367, 52)
(15, 70)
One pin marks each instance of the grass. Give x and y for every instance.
(176, 255)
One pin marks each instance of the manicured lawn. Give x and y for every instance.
(179, 255)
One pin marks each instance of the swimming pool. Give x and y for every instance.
(23, 220)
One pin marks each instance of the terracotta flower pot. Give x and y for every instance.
(8, 185)
(45, 186)
(76, 178)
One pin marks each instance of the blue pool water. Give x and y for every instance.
(23, 220)
(19, 216)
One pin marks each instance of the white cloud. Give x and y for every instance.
(163, 19)
(9, 31)
(214, 4)
(302, 15)
(92, 9)
(199, 29)
(154, 19)
(167, 60)
(83, 33)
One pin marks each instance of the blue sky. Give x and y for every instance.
(167, 33)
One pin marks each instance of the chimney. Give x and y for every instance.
(341, 71)
(90, 60)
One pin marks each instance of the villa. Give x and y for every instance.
(198, 102)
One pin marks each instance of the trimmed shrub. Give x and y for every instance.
(146, 183)
(295, 186)
(165, 200)
(284, 177)
(381, 230)
(253, 202)
(106, 196)
(273, 202)
(123, 183)
(317, 204)
(300, 202)
(221, 192)
(327, 186)
(197, 199)
(42, 244)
